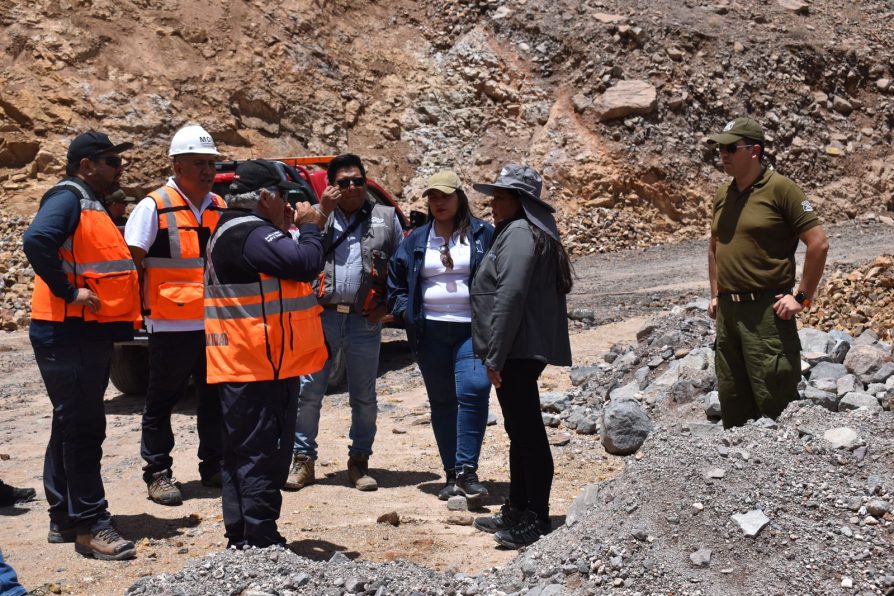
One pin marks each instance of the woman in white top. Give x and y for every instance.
(428, 290)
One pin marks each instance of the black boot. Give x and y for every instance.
(450, 487)
(527, 531)
(10, 495)
(467, 483)
(507, 517)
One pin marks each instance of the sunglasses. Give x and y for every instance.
(446, 259)
(731, 147)
(346, 182)
(113, 161)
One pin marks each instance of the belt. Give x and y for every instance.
(344, 309)
(752, 296)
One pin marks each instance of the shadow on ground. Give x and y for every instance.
(144, 525)
(320, 550)
(385, 478)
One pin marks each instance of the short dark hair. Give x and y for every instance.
(72, 168)
(340, 162)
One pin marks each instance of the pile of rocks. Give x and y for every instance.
(16, 275)
(857, 299)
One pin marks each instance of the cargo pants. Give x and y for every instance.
(758, 360)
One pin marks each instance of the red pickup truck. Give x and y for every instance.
(130, 360)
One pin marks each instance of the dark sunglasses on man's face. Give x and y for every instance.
(731, 147)
(346, 182)
(113, 161)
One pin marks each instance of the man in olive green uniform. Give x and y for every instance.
(758, 218)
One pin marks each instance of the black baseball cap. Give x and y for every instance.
(257, 174)
(90, 144)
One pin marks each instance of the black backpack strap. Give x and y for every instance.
(362, 215)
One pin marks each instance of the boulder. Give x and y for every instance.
(625, 426)
(842, 437)
(584, 501)
(629, 391)
(855, 400)
(848, 384)
(712, 405)
(828, 370)
(814, 340)
(864, 361)
(627, 98)
(825, 399)
(885, 372)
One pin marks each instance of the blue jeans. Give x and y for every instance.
(360, 341)
(458, 391)
(9, 583)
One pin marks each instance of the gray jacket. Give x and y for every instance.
(517, 312)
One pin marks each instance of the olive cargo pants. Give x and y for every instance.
(758, 360)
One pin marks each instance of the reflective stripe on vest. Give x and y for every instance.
(172, 286)
(259, 331)
(95, 257)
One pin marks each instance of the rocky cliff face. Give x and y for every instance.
(611, 100)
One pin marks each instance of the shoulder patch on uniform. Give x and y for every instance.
(377, 222)
(806, 206)
(273, 236)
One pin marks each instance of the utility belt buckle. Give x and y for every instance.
(344, 309)
(743, 297)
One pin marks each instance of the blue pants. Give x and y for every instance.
(360, 341)
(259, 421)
(458, 391)
(76, 376)
(9, 583)
(173, 357)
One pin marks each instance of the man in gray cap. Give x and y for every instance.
(758, 218)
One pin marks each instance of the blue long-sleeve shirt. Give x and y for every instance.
(55, 221)
(275, 253)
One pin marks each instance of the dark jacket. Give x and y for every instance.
(517, 311)
(405, 275)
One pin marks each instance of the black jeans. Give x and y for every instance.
(173, 357)
(530, 459)
(259, 420)
(76, 376)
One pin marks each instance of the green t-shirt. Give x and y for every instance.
(757, 232)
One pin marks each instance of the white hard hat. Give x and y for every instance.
(192, 139)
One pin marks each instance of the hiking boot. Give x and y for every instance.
(449, 488)
(213, 481)
(527, 531)
(302, 472)
(467, 484)
(507, 517)
(10, 495)
(105, 544)
(163, 490)
(358, 473)
(60, 535)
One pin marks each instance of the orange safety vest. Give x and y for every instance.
(172, 285)
(265, 330)
(96, 257)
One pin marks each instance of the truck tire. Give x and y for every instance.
(130, 368)
(337, 373)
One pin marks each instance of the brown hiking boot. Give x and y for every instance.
(358, 474)
(105, 544)
(162, 489)
(302, 472)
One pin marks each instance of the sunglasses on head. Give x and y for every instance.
(446, 259)
(113, 161)
(732, 147)
(346, 182)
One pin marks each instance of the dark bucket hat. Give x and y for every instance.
(527, 185)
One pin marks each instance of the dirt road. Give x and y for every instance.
(329, 516)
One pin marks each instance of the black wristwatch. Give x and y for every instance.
(802, 299)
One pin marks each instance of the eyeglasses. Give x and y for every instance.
(346, 182)
(446, 259)
(731, 147)
(113, 161)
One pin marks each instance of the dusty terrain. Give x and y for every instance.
(622, 289)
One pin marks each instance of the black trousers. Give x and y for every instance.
(76, 376)
(173, 357)
(259, 421)
(530, 459)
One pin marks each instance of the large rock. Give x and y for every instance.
(584, 501)
(712, 405)
(629, 391)
(842, 437)
(625, 426)
(855, 400)
(814, 340)
(822, 398)
(828, 370)
(864, 361)
(627, 98)
(848, 384)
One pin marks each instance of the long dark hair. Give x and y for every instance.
(462, 219)
(554, 249)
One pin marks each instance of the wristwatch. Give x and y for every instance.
(802, 299)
